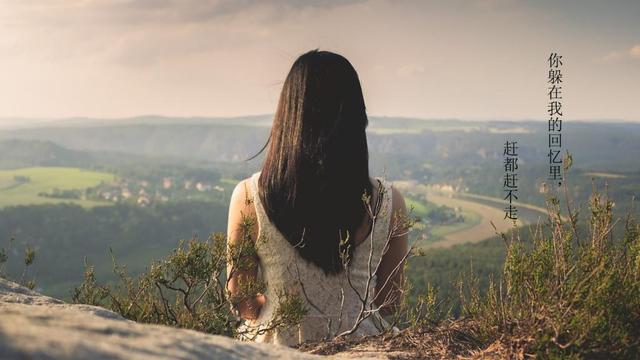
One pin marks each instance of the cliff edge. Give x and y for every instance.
(37, 326)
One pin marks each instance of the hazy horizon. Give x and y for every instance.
(27, 122)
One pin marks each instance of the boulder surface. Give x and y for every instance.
(34, 326)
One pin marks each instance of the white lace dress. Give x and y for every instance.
(282, 268)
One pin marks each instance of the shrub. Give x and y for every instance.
(28, 259)
(186, 289)
(566, 294)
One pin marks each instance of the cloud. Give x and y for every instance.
(494, 4)
(410, 70)
(612, 57)
(228, 57)
(634, 52)
(143, 32)
(161, 11)
(631, 54)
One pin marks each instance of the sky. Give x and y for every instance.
(474, 59)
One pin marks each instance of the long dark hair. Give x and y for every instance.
(316, 168)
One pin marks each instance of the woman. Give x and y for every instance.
(320, 239)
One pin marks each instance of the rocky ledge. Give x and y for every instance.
(34, 326)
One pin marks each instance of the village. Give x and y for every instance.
(143, 192)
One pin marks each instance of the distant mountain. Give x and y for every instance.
(607, 146)
(28, 123)
(22, 153)
(192, 141)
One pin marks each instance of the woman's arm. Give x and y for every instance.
(242, 226)
(392, 265)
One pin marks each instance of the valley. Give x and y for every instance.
(86, 188)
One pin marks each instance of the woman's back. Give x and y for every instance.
(334, 302)
(317, 210)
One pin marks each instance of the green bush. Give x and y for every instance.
(567, 294)
(186, 289)
(28, 259)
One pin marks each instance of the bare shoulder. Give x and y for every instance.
(242, 189)
(240, 209)
(241, 198)
(397, 201)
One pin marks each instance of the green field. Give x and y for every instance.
(471, 219)
(420, 208)
(45, 179)
(438, 232)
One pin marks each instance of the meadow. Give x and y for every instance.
(438, 232)
(477, 211)
(23, 186)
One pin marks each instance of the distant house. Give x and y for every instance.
(443, 187)
(543, 188)
(188, 184)
(125, 193)
(167, 183)
(218, 188)
(143, 201)
(203, 186)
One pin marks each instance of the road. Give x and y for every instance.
(488, 213)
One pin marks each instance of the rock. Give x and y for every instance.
(34, 326)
